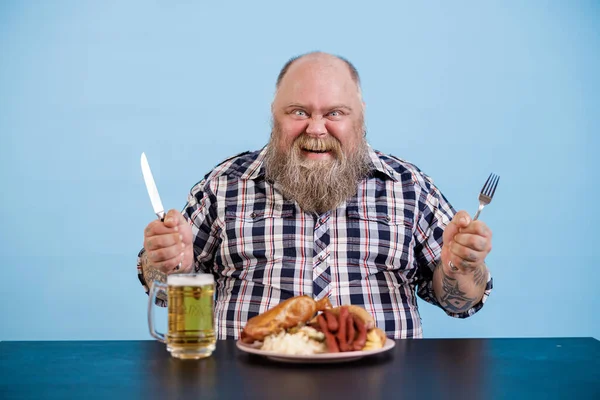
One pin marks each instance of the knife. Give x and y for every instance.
(152, 190)
(153, 193)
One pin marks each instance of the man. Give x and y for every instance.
(319, 212)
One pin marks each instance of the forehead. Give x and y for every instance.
(317, 83)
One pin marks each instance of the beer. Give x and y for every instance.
(191, 333)
(191, 330)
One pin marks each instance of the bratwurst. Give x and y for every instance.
(287, 314)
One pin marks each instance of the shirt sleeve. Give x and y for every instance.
(200, 212)
(435, 214)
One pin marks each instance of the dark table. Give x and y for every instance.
(543, 368)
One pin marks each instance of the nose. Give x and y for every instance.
(316, 127)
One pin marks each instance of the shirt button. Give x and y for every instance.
(388, 218)
(253, 215)
(322, 258)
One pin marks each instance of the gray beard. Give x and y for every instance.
(317, 186)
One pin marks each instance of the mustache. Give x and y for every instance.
(310, 143)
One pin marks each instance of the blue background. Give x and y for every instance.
(459, 88)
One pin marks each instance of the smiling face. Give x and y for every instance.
(317, 152)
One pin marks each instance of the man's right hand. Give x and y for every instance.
(169, 243)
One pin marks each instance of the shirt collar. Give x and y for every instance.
(380, 166)
(256, 169)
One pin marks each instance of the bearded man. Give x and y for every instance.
(318, 212)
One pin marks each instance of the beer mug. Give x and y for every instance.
(191, 332)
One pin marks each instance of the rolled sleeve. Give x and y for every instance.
(426, 293)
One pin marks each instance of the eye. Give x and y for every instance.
(299, 113)
(335, 114)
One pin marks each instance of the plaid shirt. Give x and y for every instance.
(377, 250)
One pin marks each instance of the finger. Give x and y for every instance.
(474, 242)
(168, 266)
(465, 255)
(478, 228)
(176, 265)
(161, 241)
(462, 264)
(157, 227)
(164, 254)
(174, 218)
(449, 232)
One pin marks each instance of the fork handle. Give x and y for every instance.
(478, 212)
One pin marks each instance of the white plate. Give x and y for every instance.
(315, 358)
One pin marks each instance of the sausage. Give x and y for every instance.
(332, 322)
(322, 323)
(351, 332)
(359, 313)
(314, 323)
(361, 339)
(341, 334)
(332, 345)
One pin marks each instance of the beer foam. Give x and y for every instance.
(190, 280)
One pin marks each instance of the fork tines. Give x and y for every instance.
(489, 187)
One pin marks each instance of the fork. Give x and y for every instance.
(485, 198)
(487, 192)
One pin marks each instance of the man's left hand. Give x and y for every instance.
(466, 244)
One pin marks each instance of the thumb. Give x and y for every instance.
(461, 220)
(173, 219)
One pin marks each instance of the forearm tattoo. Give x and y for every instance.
(479, 276)
(452, 298)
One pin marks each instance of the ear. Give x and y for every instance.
(275, 106)
(274, 101)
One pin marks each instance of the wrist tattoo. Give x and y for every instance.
(153, 274)
(453, 299)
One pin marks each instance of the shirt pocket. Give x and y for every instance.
(379, 238)
(258, 236)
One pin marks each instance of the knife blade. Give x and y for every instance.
(152, 190)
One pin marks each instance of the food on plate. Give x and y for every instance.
(303, 326)
(297, 341)
(287, 314)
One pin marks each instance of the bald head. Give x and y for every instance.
(318, 77)
(315, 56)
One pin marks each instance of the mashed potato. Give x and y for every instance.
(301, 341)
(373, 341)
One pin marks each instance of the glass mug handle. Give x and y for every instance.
(154, 287)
